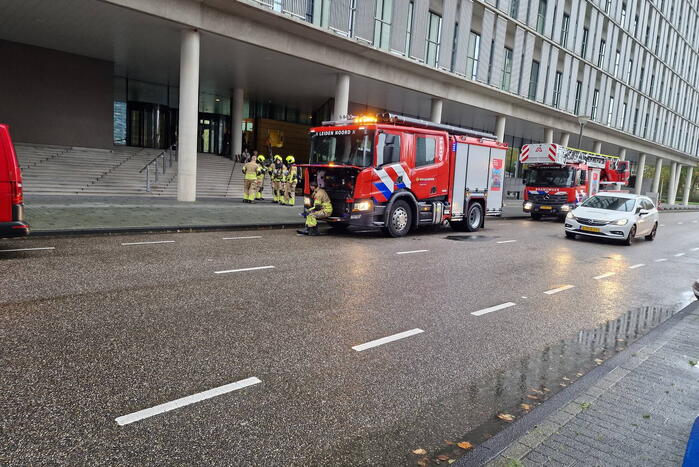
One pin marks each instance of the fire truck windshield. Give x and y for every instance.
(558, 177)
(344, 147)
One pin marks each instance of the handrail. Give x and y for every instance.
(170, 154)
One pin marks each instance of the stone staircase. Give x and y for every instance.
(60, 170)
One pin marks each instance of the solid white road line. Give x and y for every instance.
(176, 404)
(147, 243)
(679, 254)
(660, 260)
(493, 308)
(243, 270)
(635, 266)
(241, 238)
(386, 340)
(29, 249)
(507, 241)
(602, 276)
(560, 289)
(413, 251)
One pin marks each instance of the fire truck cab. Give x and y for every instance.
(396, 173)
(557, 178)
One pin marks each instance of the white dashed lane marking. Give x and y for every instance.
(636, 266)
(243, 269)
(507, 241)
(602, 276)
(409, 252)
(241, 238)
(29, 249)
(147, 243)
(493, 308)
(559, 289)
(386, 340)
(176, 404)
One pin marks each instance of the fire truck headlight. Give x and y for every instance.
(363, 205)
(570, 215)
(620, 222)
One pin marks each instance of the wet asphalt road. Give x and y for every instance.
(94, 330)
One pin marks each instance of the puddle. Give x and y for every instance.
(470, 238)
(531, 381)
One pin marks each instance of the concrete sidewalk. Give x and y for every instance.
(70, 213)
(640, 413)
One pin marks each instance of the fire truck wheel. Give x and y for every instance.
(632, 235)
(399, 219)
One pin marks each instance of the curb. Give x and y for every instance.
(492, 448)
(164, 229)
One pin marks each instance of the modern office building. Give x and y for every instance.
(215, 75)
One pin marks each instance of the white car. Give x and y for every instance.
(620, 216)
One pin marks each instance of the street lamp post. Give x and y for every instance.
(582, 120)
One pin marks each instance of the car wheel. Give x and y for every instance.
(536, 216)
(632, 235)
(570, 235)
(651, 236)
(399, 219)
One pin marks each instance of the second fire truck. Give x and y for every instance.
(558, 178)
(398, 173)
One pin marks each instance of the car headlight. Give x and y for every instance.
(364, 205)
(620, 222)
(570, 215)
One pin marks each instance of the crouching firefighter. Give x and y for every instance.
(321, 207)
(277, 176)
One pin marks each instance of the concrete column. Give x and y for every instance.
(436, 114)
(687, 186)
(548, 135)
(341, 96)
(237, 121)
(189, 116)
(656, 177)
(597, 147)
(622, 154)
(639, 173)
(500, 128)
(670, 188)
(565, 139)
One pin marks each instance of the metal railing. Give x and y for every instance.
(168, 156)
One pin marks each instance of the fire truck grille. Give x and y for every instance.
(592, 222)
(548, 199)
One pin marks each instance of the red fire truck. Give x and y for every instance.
(557, 178)
(398, 173)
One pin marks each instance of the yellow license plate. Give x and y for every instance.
(589, 229)
(546, 208)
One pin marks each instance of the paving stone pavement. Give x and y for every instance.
(638, 414)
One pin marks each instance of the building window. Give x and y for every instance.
(533, 80)
(433, 39)
(578, 95)
(409, 29)
(425, 148)
(565, 25)
(474, 47)
(382, 23)
(595, 104)
(623, 116)
(557, 83)
(616, 63)
(583, 48)
(600, 57)
(610, 113)
(541, 17)
(514, 8)
(507, 70)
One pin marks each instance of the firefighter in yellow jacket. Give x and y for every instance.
(321, 207)
(290, 181)
(250, 188)
(260, 177)
(277, 177)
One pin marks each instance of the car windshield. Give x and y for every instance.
(560, 177)
(347, 147)
(610, 203)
